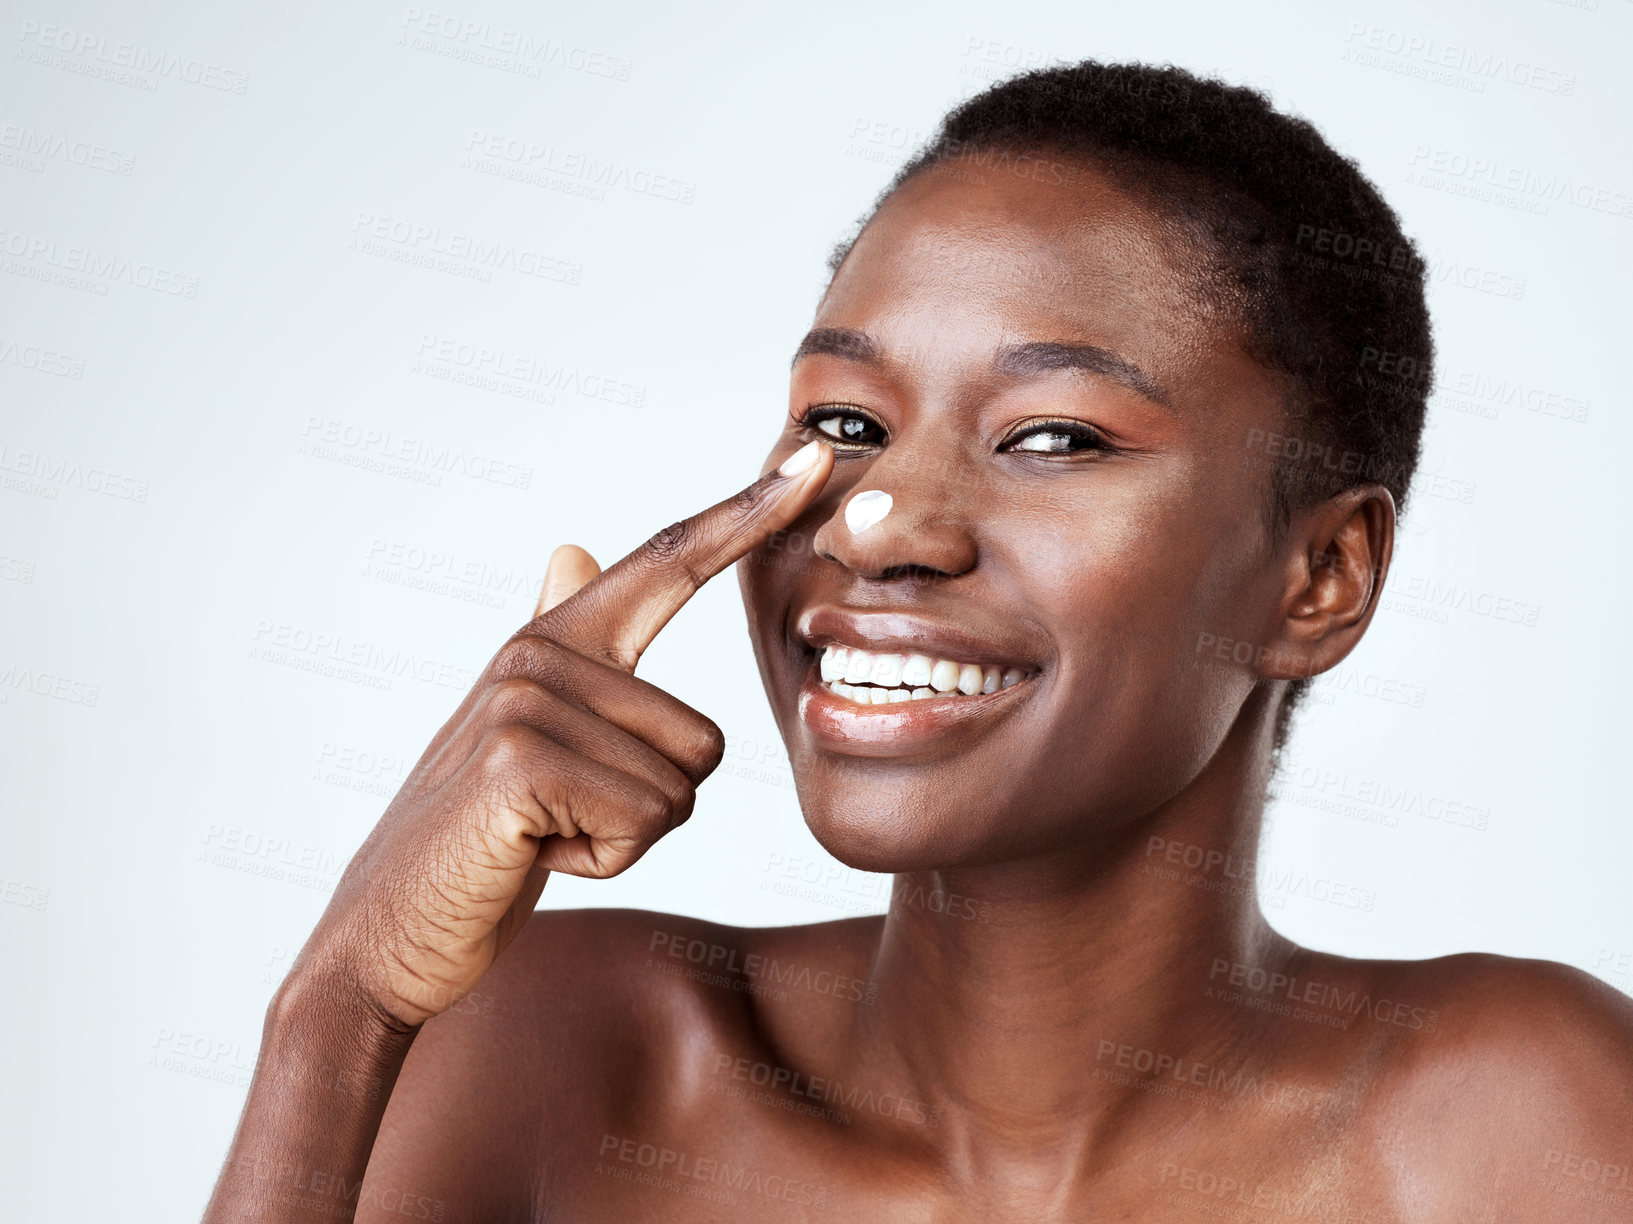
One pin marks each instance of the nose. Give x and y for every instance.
(927, 530)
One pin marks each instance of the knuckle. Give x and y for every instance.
(671, 542)
(507, 750)
(655, 811)
(676, 547)
(516, 657)
(678, 789)
(706, 747)
(681, 806)
(530, 657)
(515, 699)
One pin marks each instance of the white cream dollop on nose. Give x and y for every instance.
(866, 509)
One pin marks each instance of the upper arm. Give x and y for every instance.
(458, 1142)
(563, 1037)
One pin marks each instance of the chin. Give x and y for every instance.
(870, 846)
(869, 830)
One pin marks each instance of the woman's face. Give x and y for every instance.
(1066, 437)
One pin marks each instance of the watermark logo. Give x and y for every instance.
(537, 164)
(86, 269)
(454, 252)
(503, 48)
(136, 65)
(404, 457)
(32, 149)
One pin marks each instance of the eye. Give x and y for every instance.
(1056, 438)
(844, 423)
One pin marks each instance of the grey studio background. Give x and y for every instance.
(321, 326)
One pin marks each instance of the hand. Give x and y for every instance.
(559, 759)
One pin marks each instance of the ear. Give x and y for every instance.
(1335, 556)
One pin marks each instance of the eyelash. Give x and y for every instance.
(1081, 430)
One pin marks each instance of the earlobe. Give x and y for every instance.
(1337, 555)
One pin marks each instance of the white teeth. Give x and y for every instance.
(887, 669)
(881, 678)
(858, 667)
(917, 669)
(833, 663)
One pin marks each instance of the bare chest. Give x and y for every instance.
(809, 1169)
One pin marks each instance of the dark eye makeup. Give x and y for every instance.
(850, 428)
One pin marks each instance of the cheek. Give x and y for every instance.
(1138, 606)
(1113, 576)
(774, 566)
(1155, 559)
(766, 577)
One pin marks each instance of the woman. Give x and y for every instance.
(1093, 458)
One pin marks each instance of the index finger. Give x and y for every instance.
(616, 615)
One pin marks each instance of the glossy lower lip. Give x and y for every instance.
(900, 727)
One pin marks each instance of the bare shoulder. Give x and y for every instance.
(1529, 1033)
(1522, 1094)
(592, 1022)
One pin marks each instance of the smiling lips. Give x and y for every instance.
(896, 682)
(882, 677)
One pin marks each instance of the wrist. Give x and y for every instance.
(325, 1016)
(329, 1060)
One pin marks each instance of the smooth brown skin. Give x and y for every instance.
(1037, 942)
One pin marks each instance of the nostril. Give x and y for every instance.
(912, 573)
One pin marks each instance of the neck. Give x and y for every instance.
(1029, 998)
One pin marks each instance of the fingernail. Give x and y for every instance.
(800, 460)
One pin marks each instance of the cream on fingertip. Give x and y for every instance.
(800, 460)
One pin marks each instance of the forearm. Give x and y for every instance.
(326, 1069)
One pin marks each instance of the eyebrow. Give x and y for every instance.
(1014, 360)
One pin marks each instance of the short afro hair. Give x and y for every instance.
(1307, 258)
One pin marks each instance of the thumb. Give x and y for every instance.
(570, 568)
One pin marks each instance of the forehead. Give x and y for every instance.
(965, 258)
